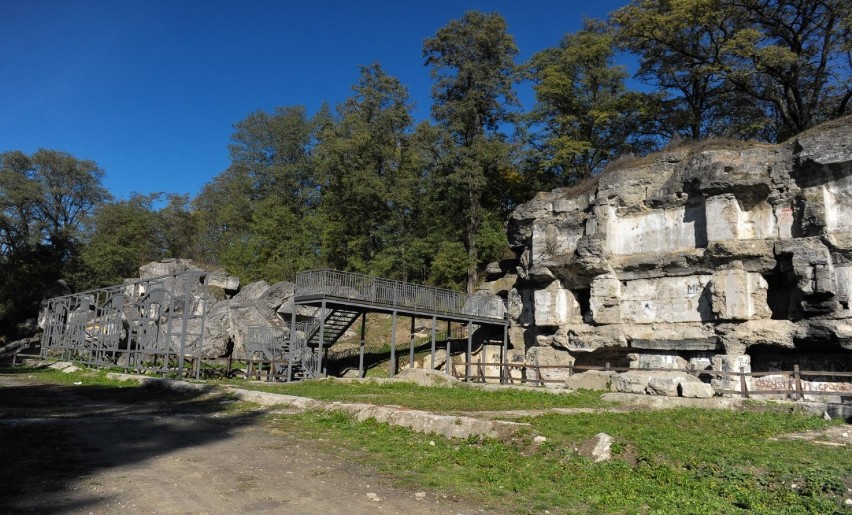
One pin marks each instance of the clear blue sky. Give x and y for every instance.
(150, 89)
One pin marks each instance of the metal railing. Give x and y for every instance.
(398, 294)
(151, 324)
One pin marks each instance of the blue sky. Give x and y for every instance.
(150, 89)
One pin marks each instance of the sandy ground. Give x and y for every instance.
(83, 449)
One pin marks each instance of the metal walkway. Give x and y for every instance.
(342, 297)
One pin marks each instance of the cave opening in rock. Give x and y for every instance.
(810, 356)
(584, 299)
(615, 356)
(781, 288)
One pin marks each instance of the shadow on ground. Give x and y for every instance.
(53, 436)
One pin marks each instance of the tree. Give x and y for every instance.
(731, 66)
(472, 62)
(46, 201)
(369, 178)
(679, 44)
(586, 114)
(791, 54)
(124, 237)
(257, 216)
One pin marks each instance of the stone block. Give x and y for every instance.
(605, 299)
(632, 382)
(555, 306)
(666, 385)
(739, 295)
(591, 380)
(549, 356)
(696, 390)
(731, 363)
(667, 299)
(597, 448)
(253, 291)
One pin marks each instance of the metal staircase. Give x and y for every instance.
(307, 336)
(337, 321)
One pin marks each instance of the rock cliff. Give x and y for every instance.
(733, 256)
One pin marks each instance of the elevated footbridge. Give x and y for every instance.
(341, 298)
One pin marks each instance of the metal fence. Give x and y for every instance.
(398, 294)
(152, 325)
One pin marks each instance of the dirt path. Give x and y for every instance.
(84, 449)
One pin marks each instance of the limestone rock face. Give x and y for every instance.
(731, 258)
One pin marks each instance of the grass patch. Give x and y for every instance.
(85, 376)
(434, 399)
(673, 461)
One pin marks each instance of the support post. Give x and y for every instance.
(186, 308)
(743, 384)
(504, 358)
(434, 322)
(363, 343)
(449, 362)
(798, 378)
(321, 338)
(469, 351)
(482, 362)
(411, 345)
(392, 368)
(291, 351)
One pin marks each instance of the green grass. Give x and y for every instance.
(669, 461)
(673, 461)
(435, 399)
(86, 376)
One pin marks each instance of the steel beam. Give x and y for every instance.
(363, 343)
(392, 369)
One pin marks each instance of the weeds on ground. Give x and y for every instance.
(673, 461)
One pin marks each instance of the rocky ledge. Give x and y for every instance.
(715, 256)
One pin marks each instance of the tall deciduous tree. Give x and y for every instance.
(586, 113)
(46, 200)
(790, 54)
(731, 66)
(472, 61)
(679, 45)
(257, 216)
(369, 178)
(125, 236)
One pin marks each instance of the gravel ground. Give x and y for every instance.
(85, 449)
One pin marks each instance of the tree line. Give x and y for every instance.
(365, 187)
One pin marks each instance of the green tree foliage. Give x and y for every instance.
(369, 178)
(125, 237)
(130, 233)
(790, 55)
(732, 67)
(46, 201)
(678, 44)
(257, 217)
(472, 61)
(586, 114)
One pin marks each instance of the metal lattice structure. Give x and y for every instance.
(340, 298)
(151, 325)
(399, 295)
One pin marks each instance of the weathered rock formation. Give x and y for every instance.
(231, 309)
(727, 258)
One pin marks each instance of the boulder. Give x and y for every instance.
(426, 377)
(252, 291)
(591, 380)
(220, 279)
